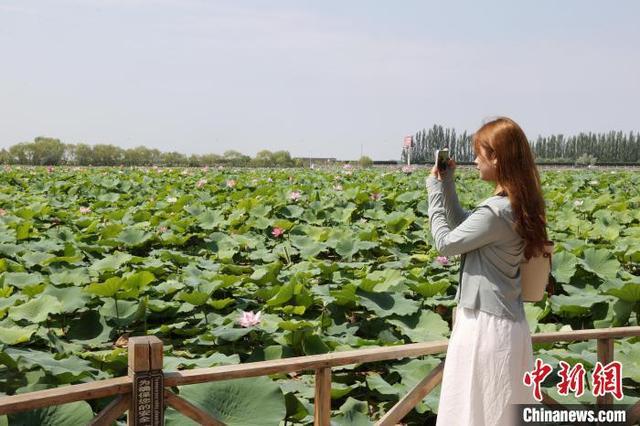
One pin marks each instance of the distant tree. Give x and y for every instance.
(365, 161)
(586, 159)
(234, 158)
(82, 155)
(173, 159)
(47, 151)
(107, 155)
(21, 153)
(264, 158)
(282, 159)
(138, 156)
(210, 160)
(5, 158)
(195, 161)
(613, 146)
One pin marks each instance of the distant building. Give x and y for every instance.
(314, 161)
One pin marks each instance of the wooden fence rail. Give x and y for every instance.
(145, 392)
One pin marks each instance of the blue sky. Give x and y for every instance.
(321, 78)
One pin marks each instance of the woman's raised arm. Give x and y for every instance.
(454, 212)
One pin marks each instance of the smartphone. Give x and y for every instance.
(442, 158)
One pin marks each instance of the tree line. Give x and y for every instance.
(45, 151)
(584, 148)
(609, 147)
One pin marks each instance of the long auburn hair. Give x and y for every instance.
(517, 175)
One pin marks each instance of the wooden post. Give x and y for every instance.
(145, 369)
(605, 356)
(322, 415)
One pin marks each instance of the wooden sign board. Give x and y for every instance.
(148, 399)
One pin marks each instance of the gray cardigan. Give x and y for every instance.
(492, 250)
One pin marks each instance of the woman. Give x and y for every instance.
(490, 345)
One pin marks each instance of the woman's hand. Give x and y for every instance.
(441, 174)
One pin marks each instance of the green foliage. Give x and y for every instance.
(74, 413)
(581, 149)
(157, 252)
(586, 160)
(45, 151)
(253, 401)
(365, 161)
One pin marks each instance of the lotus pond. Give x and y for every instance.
(234, 266)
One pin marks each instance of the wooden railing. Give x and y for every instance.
(145, 391)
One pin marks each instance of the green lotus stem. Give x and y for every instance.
(145, 319)
(115, 300)
(322, 321)
(286, 255)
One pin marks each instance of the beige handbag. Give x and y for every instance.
(534, 274)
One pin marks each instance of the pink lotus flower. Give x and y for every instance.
(277, 232)
(443, 260)
(7, 168)
(407, 169)
(375, 196)
(269, 180)
(162, 229)
(337, 187)
(50, 169)
(295, 195)
(249, 319)
(3, 212)
(231, 183)
(85, 210)
(201, 183)
(347, 166)
(205, 169)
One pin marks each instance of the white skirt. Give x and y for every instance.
(486, 360)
